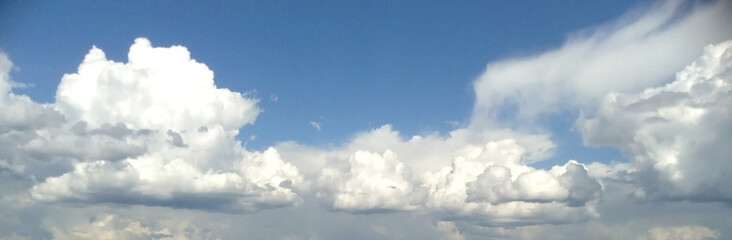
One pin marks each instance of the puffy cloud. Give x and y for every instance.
(158, 88)
(627, 55)
(496, 186)
(677, 134)
(157, 131)
(489, 184)
(422, 153)
(492, 186)
(374, 182)
(680, 233)
(261, 180)
(153, 131)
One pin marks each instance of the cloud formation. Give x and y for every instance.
(482, 173)
(492, 186)
(153, 131)
(156, 131)
(158, 88)
(488, 184)
(626, 55)
(374, 182)
(677, 134)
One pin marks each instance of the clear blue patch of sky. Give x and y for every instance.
(349, 65)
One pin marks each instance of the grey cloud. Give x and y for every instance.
(175, 139)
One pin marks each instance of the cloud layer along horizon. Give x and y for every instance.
(148, 148)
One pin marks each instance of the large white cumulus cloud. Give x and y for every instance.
(153, 131)
(678, 134)
(158, 88)
(374, 182)
(492, 185)
(487, 184)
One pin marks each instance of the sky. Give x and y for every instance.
(365, 120)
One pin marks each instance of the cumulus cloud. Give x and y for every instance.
(259, 180)
(680, 233)
(152, 131)
(677, 134)
(374, 182)
(488, 184)
(492, 186)
(158, 88)
(627, 55)
(157, 131)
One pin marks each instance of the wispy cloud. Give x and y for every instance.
(629, 54)
(315, 125)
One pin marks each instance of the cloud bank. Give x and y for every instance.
(156, 131)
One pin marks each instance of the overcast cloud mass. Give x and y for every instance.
(147, 148)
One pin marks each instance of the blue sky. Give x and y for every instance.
(349, 66)
(365, 119)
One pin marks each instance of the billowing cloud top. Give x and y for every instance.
(159, 88)
(153, 131)
(678, 134)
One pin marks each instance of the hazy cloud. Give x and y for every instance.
(315, 125)
(626, 55)
(680, 233)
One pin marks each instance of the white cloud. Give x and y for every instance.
(159, 88)
(627, 55)
(677, 134)
(315, 125)
(157, 131)
(491, 186)
(680, 233)
(153, 131)
(451, 178)
(374, 182)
